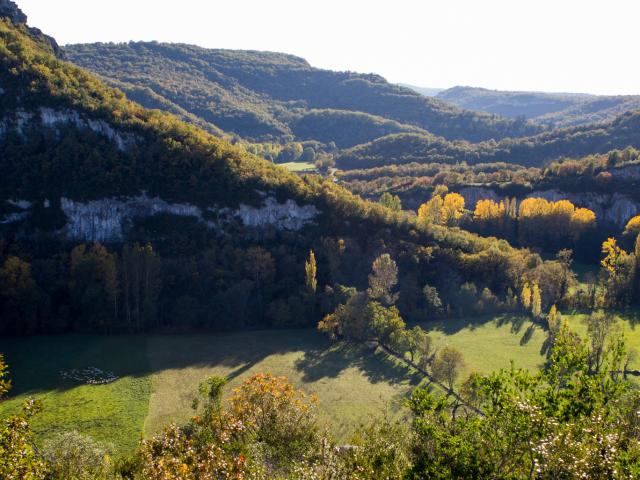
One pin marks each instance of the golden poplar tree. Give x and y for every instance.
(536, 301)
(310, 271)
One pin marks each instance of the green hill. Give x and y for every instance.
(554, 109)
(260, 95)
(574, 142)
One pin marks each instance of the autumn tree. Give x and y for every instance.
(536, 301)
(277, 415)
(310, 274)
(431, 211)
(452, 209)
(382, 279)
(525, 296)
(632, 229)
(552, 224)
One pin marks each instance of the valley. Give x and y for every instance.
(230, 263)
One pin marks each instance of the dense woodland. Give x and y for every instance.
(531, 151)
(263, 94)
(362, 273)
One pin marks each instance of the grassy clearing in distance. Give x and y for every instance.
(299, 167)
(112, 413)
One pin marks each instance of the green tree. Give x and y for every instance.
(384, 321)
(390, 201)
(432, 300)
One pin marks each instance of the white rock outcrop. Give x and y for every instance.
(103, 220)
(284, 216)
(51, 118)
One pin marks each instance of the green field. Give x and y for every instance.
(299, 167)
(159, 374)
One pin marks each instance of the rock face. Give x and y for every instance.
(285, 216)
(103, 220)
(613, 208)
(10, 10)
(51, 118)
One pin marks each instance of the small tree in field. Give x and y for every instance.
(446, 366)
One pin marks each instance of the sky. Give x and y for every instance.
(543, 45)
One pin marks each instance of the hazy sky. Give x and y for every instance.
(547, 45)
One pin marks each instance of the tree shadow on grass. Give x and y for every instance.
(528, 334)
(376, 366)
(37, 364)
(451, 326)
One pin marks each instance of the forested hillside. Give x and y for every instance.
(574, 142)
(263, 95)
(172, 204)
(556, 110)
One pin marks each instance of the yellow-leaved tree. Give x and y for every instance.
(452, 209)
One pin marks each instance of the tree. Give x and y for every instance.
(382, 279)
(431, 211)
(310, 274)
(525, 296)
(632, 229)
(71, 455)
(446, 366)
(536, 301)
(554, 320)
(599, 328)
(422, 346)
(349, 320)
(94, 274)
(276, 415)
(452, 208)
(562, 422)
(432, 300)
(390, 201)
(19, 297)
(384, 321)
(141, 280)
(18, 457)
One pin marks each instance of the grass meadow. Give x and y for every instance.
(158, 375)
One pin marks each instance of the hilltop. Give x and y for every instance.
(266, 95)
(555, 110)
